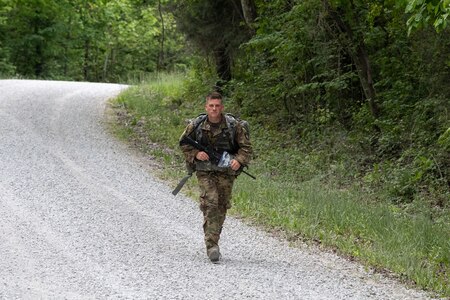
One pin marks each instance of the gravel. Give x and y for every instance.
(82, 217)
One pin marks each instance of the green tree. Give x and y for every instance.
(6, 68)
(426, 12)
(216, 28)
(321, 67)
(88, 40)
(30, 31)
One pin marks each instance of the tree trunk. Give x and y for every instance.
(162, 39)
(358, 52)
(38, 62)
(86, 60)
(105, 67)
(223, 63)
(249, 11)
(365, 75)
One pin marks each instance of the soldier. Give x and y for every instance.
(219, 132)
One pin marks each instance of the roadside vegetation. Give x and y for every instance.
(294, 194)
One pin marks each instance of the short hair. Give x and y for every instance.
(214, 95)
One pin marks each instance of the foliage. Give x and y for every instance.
(216, 28)
(151, 114)
(426, 12)
(301, 76)
(87, 40)
(6, 68)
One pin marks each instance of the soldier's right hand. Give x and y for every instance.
(202, 156)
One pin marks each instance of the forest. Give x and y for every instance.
(99, 40)
(353, 93)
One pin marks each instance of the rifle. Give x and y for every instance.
(222, 160)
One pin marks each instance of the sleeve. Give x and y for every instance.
(189, 151)
(245, 151)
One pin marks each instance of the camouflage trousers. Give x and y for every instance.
(215, 200)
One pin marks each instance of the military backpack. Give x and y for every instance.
(231, 123)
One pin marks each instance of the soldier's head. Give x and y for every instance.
(214, 107)
(214, 95)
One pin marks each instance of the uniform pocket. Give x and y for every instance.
(203, 201)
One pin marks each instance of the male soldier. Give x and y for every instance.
(219, 132)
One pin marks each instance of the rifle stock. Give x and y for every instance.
(181, 184)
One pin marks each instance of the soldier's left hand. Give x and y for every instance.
(235, 165)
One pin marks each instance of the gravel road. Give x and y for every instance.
(82, 217)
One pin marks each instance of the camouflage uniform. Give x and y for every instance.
(216, 183)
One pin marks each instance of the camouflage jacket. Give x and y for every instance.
(236, 142)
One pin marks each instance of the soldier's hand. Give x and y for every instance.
(202, 156)
(235, 165)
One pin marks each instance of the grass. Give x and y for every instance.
(375, 234)
(351, 222)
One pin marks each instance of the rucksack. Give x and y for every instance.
(231, 123)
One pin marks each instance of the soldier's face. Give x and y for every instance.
(214, 109)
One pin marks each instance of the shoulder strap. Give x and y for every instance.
(197, 129)
(197, 121)
(231, 123)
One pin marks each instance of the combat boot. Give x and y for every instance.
(214, 254)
